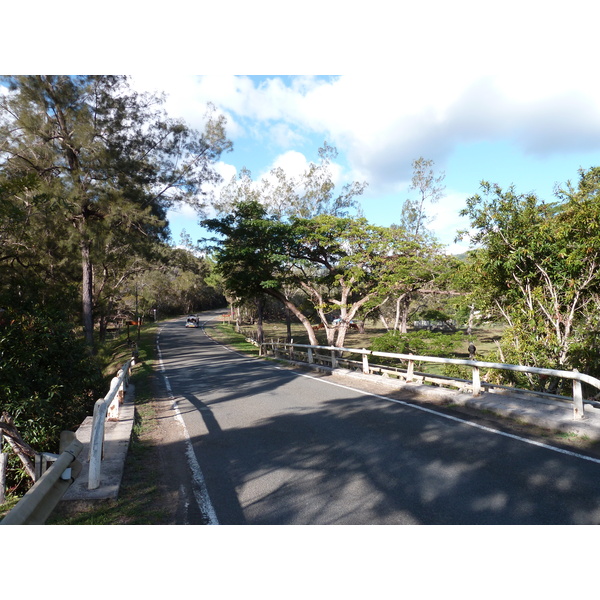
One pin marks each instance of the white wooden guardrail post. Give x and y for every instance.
(410, 369)
(365, 362)
(96, 444)
(333, 360)
(476, 381)
(577, 398)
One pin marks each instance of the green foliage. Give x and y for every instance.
(88, 170)
(537, 266)
(48, 381)
(422, 343)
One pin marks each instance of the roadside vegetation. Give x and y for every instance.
(89, 169)
(140, 500)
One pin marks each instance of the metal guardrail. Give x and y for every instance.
(39, 502)
(409, 373)
(106, 408)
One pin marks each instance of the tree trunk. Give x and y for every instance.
(87, 293)
(288, 322)
(402, 307)
(292, 307)
(260, 336)
(23, 450)
(471, 317)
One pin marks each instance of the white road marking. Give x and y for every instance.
(457, 419)
(198, 484)
(443, 415)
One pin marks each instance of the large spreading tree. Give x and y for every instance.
(102, 164)
(342, 264)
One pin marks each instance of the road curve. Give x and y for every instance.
(272, 445)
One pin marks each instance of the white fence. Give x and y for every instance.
(39, 502)
(106, 408)
(406, 369)
(41, 499)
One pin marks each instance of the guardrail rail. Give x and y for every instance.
(313, 355)
(106, 409)
(39, 502)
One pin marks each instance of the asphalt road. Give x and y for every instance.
(272, 445)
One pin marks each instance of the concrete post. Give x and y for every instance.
(365, 363)
(410, 369)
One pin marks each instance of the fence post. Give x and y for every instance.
(333, 360)
(96, 445)
(476, 382)
(410, 369)
(365, 363)
(577, 398)
(113, 409)
(310, 356)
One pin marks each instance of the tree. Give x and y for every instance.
(109, 159)
(341, 263)
(47, 381)
(537, 267)
(430, 189)
(310, 194)
(413, 222)
(344, 264)
(249, 257)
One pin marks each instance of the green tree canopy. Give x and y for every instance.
(341, 263)
(537, 266)
(104, 162)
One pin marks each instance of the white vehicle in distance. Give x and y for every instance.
(192, 321)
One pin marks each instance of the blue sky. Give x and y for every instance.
(502, 128)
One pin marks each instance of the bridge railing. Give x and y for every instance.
(106, 409)
(333, 358)
(39, 502)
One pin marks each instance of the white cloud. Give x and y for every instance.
(292, 162)
(382, 122)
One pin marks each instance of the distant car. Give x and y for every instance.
(192, 321)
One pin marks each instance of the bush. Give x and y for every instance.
(424, 343)
(48, 380)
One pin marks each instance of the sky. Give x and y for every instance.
(506, 93)
(500, 127)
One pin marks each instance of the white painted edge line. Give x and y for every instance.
(457, 419)
(198, 484)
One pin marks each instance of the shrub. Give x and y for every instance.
(48, 380)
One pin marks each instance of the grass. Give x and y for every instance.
(484, 339)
